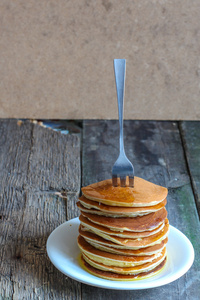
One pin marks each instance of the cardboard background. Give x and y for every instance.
(56, 58)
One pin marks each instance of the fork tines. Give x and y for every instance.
(123, 181)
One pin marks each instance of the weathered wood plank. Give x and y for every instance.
(155, 148)
(190, 132)
(36, 165)
(37, 158)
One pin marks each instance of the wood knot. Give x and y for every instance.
(18, 256)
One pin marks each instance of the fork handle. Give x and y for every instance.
(120, 72)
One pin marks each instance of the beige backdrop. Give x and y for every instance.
(56, 58)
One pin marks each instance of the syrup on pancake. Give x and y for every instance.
(123, 231)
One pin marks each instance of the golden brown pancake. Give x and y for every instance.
(144, 193)
(110, 214)
(122, 277)
(110, 259)
(157, 247)
(98, 229)
(144, 223)
(139, 242)
(127, 270)
(105, 245)
(116, 211)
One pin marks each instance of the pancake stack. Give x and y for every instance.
(123, 231)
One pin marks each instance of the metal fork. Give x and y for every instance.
(122, 167)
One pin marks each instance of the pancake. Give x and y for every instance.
(139, 242)
(123, 277)
(123, 231)
(144, 223)
(98, 229)
(110, 259)
(109, 214)
(98, 242)
(144, 193)
(127, 270)
(142, 251)
(94, 207)
(102, 244)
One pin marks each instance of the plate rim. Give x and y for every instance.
(123, 285)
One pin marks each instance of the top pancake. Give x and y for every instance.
(144, 193)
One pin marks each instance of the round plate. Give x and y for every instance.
(63, 252)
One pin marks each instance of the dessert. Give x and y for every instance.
(123, 231)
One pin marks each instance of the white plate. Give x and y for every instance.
(63, 252)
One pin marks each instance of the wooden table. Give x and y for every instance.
(40, 177)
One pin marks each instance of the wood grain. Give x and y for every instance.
(37, 165)
(155, 148)
(190, 132)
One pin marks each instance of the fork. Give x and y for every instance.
(122, 167)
